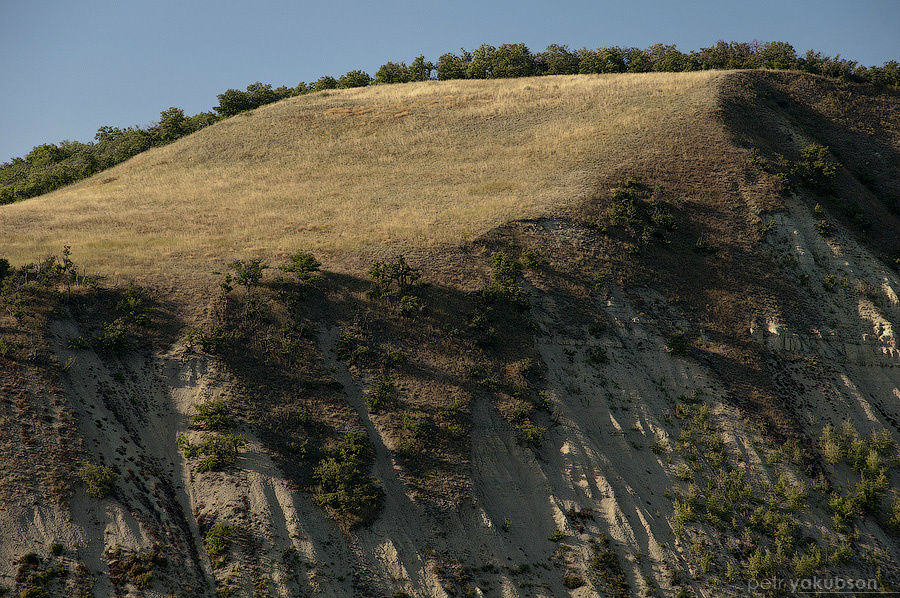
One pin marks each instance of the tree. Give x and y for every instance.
(260, 94)
(392, 72)
(512, 60)
(172, 125)
(43, 155)
(326, 82)
(482, 62)
(668, 59)
(419, 69)
(200, 120)
(451, 66)
(637, 61)
(777, 55)
(355, 78)
(232, 102)
(557, 60)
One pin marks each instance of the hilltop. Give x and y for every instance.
(417, 165)
(622, 334)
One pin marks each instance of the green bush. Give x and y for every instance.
(392, 279)
(217, 540)
(99, 479)
(301, 264)
(343, 485)
(528, 434)
(213, 415)
(815, 168)
(380, 395)
(214, 451)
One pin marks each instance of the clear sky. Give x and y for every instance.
(69, 67)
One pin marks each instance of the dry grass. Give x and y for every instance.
(352, 172)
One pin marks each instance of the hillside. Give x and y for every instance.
(414, 165)
(640, 343)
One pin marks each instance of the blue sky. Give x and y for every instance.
(69, 67)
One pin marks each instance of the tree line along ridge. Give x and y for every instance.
(49, 166)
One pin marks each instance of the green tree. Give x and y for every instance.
(325, 82)
(233, 101)
(777, 55)
(392, 72)
(482, 63)
(451, 66)
(667, 59)
(172, 125)
(355, 78)
(557, 60)
(260, 94)
(419, 69)
(637, 61)
(512, 60)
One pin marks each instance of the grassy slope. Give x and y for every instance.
(425, 164)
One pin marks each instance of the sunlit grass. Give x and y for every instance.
(419, 165)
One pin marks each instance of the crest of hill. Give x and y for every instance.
(357, 171)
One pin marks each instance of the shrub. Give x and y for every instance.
(212, 415)
(99, 479)
(828, 282)
(608, 568)
(597, 355)
(528, 434)
(380, 395)
(56, 549)
(815, 168)
(894, 517)
(217, 540)
(116, 337)
(760, 564)
(302, 264)
(343, 485)
(409, 306)
(392, 278)
(5, 268)
(505, 273)
(248, 273)
(214, 451)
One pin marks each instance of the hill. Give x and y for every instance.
(576, 335)
(412, 165)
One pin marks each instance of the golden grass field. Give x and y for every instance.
(420, 165)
